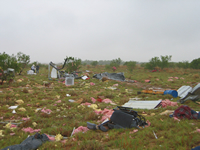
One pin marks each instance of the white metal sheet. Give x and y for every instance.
(142, 104)
(184, 90)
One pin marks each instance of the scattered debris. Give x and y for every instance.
(167, 102)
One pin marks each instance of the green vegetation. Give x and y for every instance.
(130, 65)
(94, 63)
(66, 115)
(195, 64)
(156, 62)
(73, 64)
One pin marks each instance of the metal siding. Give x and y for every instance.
(184, 90)
(196, 90)
(142, 104)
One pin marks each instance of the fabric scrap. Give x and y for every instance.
(47, 111)
(22, 109)
(20, 101)
(58, 137)
(86, 103)
(93, 99)
(59, 101)
(91, 83)
(184, 112)
(134, 131)
(167, 102)
(25, 119)
(30, 130)
(1, 133)
(106, 113)
(80, 129)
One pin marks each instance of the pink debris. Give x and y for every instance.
(175, 118)
(47, 111)
(86, 104)
(13, 126)
(107, 101)
(80, 129)
(91, 83)
(170, 80)
(157, 79)
(63, 141)
(50, 137)
(59, 101)
(30, 130)
(1, 117)
(28, 104)
(114, 68)
(12, 134)
(176, 77)
(25, 119)
(93, 99)
(12, 117)
(147, 81)
(182, 78)
(167, 102)
(136, 130)
(106, 113)
(55, 104)
(115, 85)
(198, 130)
(149, 123)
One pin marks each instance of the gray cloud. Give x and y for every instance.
(100, 30)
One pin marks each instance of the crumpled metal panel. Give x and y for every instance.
(142, 104)
(184, 90)
(113, 76)
(193, 95)
(196, 90)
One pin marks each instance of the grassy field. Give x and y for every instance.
(65, 115)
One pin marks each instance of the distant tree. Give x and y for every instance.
(154, 62)
(107, 66)
(116, 62)
(23, 61)
(7, 61)
(183, 64)
(130, 65)
(83, 63)
(165, 61)
(94, 63)
(73, 64)
(195, 64)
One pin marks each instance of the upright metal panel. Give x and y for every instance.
(184, 90)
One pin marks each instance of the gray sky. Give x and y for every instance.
(50, 30)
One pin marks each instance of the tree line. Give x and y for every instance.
(21, 60)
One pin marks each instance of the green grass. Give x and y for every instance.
(66, 115)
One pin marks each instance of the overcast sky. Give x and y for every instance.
(137, 30)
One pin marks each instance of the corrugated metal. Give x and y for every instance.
(196, 90)
(194, 94)
(184, 90)
(142, 104)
